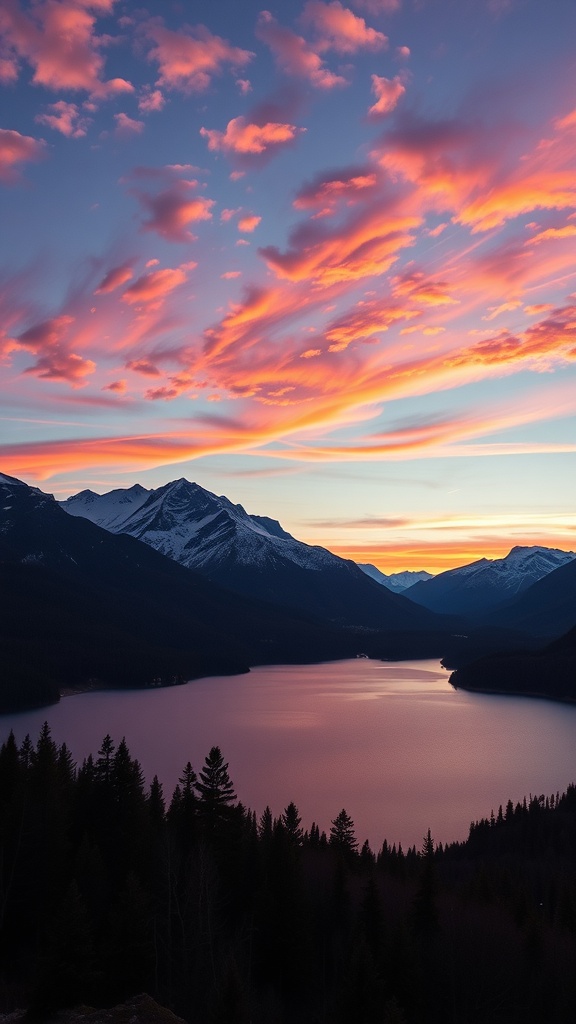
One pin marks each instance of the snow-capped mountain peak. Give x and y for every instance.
(479, 585)
(253, 555)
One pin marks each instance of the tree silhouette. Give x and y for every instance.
(342, 835)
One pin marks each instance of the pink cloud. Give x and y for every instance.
(151, 100)
(243, 86)
(17, 149)
(326, 191)
(8, 70)
(338, 29)
(115, 277)
(227, 215)
(65, 118)
(368, 244)
(173, 209)
(245, 139)
(127, 126)
(58, 40)
(154, 286)
(55, 361)
(143, 366)
(387, 91)
(230, 275)
(421, 288)
(249, 222)
(118, 386)
(403, 52)
(294, 55)
(189, 59)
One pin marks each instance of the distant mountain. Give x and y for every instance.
(476, 588)
(548, 672)
(545, 609)
(80, 606)
(397, 582)
(251, 555)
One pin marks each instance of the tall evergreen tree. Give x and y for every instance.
(215, 789)
(342, 834)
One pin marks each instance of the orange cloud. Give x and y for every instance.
(326, 191)
(366, 245)
(154, 286)
(337, 28)
(249, 222)
(55, 361)
(568, 231)
(189, 59)
(294, 55)
(248, 139)
(17, 149)
(387, 91)
(423, 289)
(115, 277)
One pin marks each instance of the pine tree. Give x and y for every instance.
(342, 835)
(215, 789)
(291, 821)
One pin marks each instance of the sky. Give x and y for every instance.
(318, 257)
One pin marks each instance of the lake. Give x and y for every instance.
(393, 743)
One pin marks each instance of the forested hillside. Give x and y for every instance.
(224, 915)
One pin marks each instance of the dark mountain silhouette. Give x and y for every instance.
(548, 672)
(547, 608)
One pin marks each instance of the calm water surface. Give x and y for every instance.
(393, 743)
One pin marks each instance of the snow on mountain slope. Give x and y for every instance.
(194, 526)
(398, 582)
(252, 555)
(106, 510)
(476, 587)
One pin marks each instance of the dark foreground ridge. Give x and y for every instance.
(141, 1009)
(226, 917)
(547, 672)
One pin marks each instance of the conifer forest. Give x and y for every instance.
(109, 888)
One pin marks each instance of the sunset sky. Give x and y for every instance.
(319, 257)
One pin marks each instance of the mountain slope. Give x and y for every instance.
(252, 555)
(547, 608)
(478, 587)
(79, 604)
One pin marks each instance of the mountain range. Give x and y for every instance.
(398, 582)
(82, 607)
(147, 587)
(473, 590)
(251, 555)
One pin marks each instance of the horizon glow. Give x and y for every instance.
(320, 258)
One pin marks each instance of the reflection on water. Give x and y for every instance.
(393, 743)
